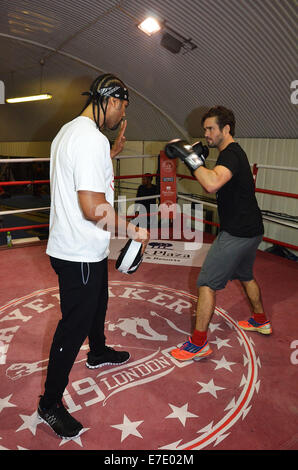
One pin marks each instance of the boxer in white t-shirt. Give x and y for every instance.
(82, 219)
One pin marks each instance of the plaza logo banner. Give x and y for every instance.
(166, 252)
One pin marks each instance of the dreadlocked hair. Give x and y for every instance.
(99, 100)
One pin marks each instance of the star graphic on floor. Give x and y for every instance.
(4, 402)
(221, 343)
(223, 364)
(1, 447)
(181, 413)
(128, 428)
(29, 422)
(210, 387)
(214, 326)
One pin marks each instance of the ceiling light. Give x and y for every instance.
(149, 26)
(22, 99)
(171, 39)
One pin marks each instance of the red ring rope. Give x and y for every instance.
(25, 227)
(16, 183)
(266, 191)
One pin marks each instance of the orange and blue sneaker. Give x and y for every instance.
(252, 325)
(189, 351)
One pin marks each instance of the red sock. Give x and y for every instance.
(260, 317)
(199, 337)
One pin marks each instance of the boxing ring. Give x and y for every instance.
(244, 397)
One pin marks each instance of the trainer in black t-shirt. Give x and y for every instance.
(144, 190)
(238, 209)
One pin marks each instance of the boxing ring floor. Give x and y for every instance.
(242, 397)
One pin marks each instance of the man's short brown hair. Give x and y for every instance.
(224, 116)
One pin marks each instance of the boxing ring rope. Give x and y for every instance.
(266, 239)
(255, 167)
(24, 160)
(118, 177)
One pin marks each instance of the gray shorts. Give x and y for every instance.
(229, 258)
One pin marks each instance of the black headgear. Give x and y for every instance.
(101, 90)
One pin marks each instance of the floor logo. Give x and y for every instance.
(151, 402)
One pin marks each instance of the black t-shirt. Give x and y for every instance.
(238, 210)
(143, 191)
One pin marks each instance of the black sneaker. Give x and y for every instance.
(58, 418)
(109, 358)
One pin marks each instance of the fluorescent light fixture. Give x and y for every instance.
(22, 99)
(149, 26)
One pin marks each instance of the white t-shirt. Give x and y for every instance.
(80, 160)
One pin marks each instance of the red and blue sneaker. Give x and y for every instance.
(189, 351)
(252, 325)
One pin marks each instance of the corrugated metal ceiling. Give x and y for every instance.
(246, 59)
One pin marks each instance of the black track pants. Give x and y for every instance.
(83, 301)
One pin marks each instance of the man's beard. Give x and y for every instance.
(115, 127)
(214, 144)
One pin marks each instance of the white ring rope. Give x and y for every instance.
(119, 157)
(279, 221)
(124, 199)
(196, 200)
(19, 211)
(47, 159)
(274, 167)
(23, 160)
(270, 219)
